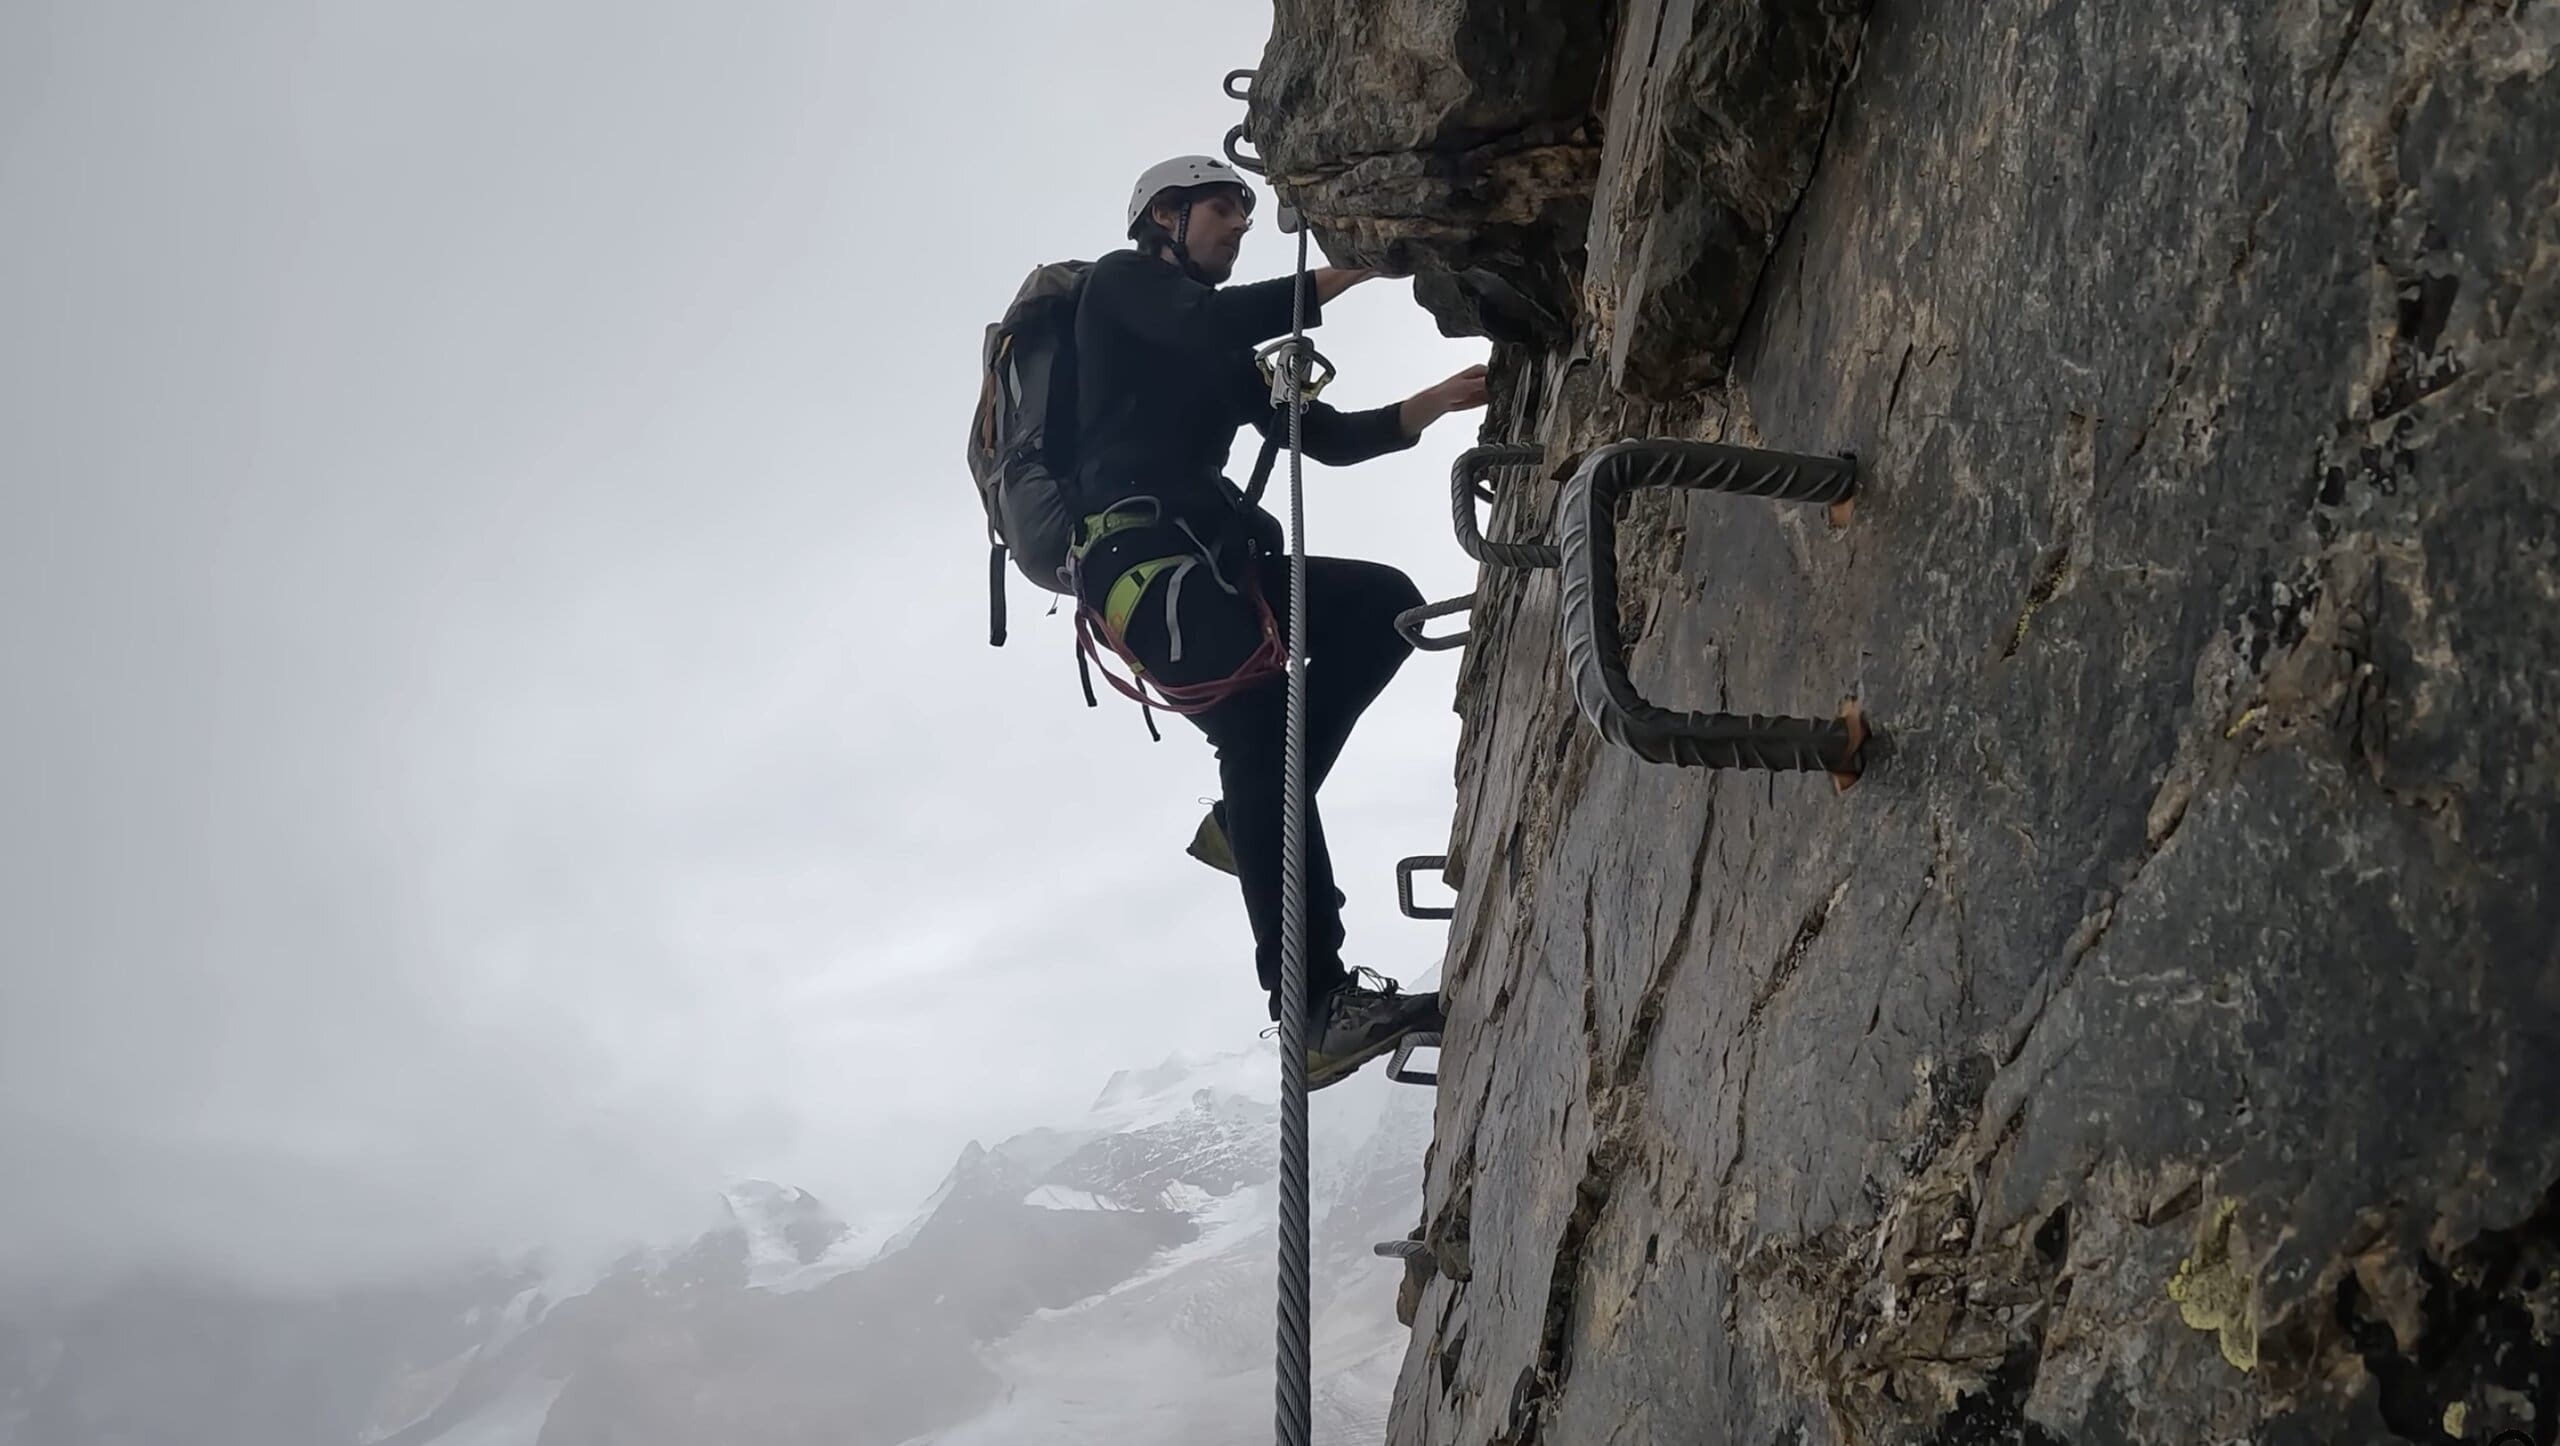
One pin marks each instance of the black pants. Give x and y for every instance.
(1353, 649)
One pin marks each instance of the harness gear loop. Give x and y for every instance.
(1109, 623)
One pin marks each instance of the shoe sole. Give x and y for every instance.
(1350, 1064)
(1221, 858)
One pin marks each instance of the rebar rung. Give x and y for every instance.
(1236, 156)
(1398, 1068)
(1467, 484)
(1410, 621)
(1587, 532)
(1405, 870)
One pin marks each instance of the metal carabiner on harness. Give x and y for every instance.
(1282, 363)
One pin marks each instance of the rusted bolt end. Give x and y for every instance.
(1847, 507)
(1856, 719)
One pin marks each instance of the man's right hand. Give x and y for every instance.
(1332, 281)
(1461, 393)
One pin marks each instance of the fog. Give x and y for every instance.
(500, 738)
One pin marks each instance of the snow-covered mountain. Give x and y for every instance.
(1102, 1279)
(1181, 1350)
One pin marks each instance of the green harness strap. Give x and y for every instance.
(1120, 602)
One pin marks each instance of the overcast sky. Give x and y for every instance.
(498, 729)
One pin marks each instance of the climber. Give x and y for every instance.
(1189, 579)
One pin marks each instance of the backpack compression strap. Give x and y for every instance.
(995, 595)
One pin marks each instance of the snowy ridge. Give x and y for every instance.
(1104, 1279)
(1135, 1099)
(970, 1156)
(792, 1242)
(1059, 1197)
(1178, 1353)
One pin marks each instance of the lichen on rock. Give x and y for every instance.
(2214, 1292)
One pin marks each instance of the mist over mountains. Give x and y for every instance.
(1103, 1278)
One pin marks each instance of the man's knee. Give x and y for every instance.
(1396, 595)
(1249, 730)
(1402, 595)
(1375, 589)
(1394, 585)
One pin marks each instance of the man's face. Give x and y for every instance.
(1218, 223)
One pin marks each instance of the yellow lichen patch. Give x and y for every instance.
(2048, 582)
(2214, 1294)
(2456, 1416)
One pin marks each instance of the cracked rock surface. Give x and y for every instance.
(2161, 1043)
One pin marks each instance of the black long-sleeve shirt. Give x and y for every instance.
(1165, 376)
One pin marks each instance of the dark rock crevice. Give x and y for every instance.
(1638, 1046)
(1821, 144)
(1996, 1414)
(2466, 1344)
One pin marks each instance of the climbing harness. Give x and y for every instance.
(1139, 546)
(1587, 533)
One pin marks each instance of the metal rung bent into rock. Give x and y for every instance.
(1410, 621)
(1587, 535)
(1400, 1068)
(1468, 484)
(1405, 870)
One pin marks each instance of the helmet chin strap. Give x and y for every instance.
(1182, 247)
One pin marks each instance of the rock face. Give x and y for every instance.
(2159, 1044)
(1451, 140)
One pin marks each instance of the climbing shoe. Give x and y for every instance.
(1355, 1025)
(1209, 841)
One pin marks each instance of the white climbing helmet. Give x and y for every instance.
(1181, 171)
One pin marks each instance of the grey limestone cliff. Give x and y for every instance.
(2160, 1042)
